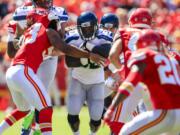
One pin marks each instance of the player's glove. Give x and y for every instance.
(112, 84)
(52, 16)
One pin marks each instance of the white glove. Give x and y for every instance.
(52, 16)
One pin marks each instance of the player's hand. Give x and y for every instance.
(15, 44)
(108, 115)
(112, 84)
(56, 52)
(52, 16)
(97, 59)
(18, 42)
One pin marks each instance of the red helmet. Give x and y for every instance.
(41, 15)
(149, 38)
(28, 3)
(140, 18)
(43, 3)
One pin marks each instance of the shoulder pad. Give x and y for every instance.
(61, 13)
(71, 35)
(21, 13)
(135, 57)
(104, 34)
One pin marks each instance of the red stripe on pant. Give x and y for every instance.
(43, 100)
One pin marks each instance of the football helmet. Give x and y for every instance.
(140, 18)
(109, 21)
(87, 25)
(28, 3)
(151, 39)
(43, 3)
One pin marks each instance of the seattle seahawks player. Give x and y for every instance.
(49, 64)
(87, 78)
(109, 21)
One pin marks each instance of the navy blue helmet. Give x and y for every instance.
(109, 20)
(87, 25)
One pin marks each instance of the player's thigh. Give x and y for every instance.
(34, 91)
(21, 103)
(129, 105)
(17, 97)
(149, 123)
(13, 75)
(76, 97)
(95, 100)
(47, 71)
(124, 111)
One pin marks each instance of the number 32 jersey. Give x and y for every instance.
(32, 50)
(90, 72)
(160, 73)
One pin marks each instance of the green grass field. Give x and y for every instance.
(60, 125)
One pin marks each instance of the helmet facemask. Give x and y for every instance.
(43, 3)
(87, 30)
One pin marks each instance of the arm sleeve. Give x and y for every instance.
(134, 77)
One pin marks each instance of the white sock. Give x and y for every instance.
(47, 133)
(76, 133)
(37, 126)
(3, 125)
(92, 133)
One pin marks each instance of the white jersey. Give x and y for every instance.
(20, 17)
(90, 72)
(21, 13)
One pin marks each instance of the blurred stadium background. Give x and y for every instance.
(166, 15)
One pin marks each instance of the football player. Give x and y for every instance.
(87, 78)
(124, 43)
(26, 88)
(151, 60)
(16, 28)
(110, 22)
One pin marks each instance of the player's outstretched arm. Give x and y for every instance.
(11, 51)
(115, 52)
(58, 43)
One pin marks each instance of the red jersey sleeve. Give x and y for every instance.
(11, 30)
(136, 65)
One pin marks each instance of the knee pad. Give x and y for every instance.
(94, 125)
(73, 121)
